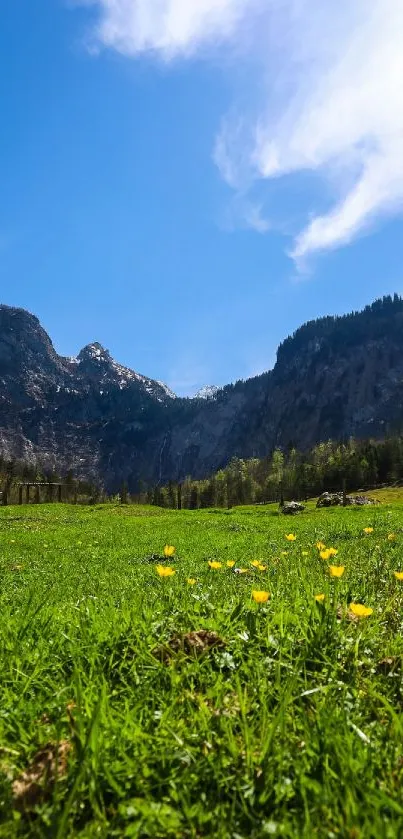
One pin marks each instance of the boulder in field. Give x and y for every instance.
(330, 499)
(291, 508)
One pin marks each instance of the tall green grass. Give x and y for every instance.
(294, 728)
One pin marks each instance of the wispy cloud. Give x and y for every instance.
(330, 82)
(254, 218)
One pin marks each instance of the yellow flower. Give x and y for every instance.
(398, 575)
(242, 570)
(360, 611)
(213, 564)
(260, 596)
(332, 551)
(391, 537)
(165, 571)
(255, 563)
(305, 553)
(290, 537)
(320, 546)
(191, 581)
(230, 563)
(368, 530)
(336, 570)
(324, 554)
(169, 550)
(284, 553)
(262, 567)
(320, 598)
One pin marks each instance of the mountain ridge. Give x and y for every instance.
(333, 378)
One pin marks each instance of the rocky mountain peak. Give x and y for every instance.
(94, 352)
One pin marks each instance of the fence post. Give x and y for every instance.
(59, 493)
(20, 491)
(27, 493)
(37, 495)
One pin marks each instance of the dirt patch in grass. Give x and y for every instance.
(36, 782)
(191, 643)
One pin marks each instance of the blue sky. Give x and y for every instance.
(188, 187)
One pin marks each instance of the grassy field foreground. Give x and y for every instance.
(116, 721)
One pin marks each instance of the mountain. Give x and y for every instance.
(335, 377)
(61, 409)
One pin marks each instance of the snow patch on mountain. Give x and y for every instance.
(207, 392)
(167, 390)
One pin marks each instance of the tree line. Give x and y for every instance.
(284, 474)
(287, 474)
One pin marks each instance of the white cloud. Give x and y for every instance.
(346, 123)
(330, 80)
(172, 27)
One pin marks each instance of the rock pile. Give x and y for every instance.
(335, 499)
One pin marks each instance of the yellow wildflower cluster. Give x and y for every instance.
(358, 610)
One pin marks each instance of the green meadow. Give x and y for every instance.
(134, 705)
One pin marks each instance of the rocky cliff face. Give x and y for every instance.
(334, 378)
